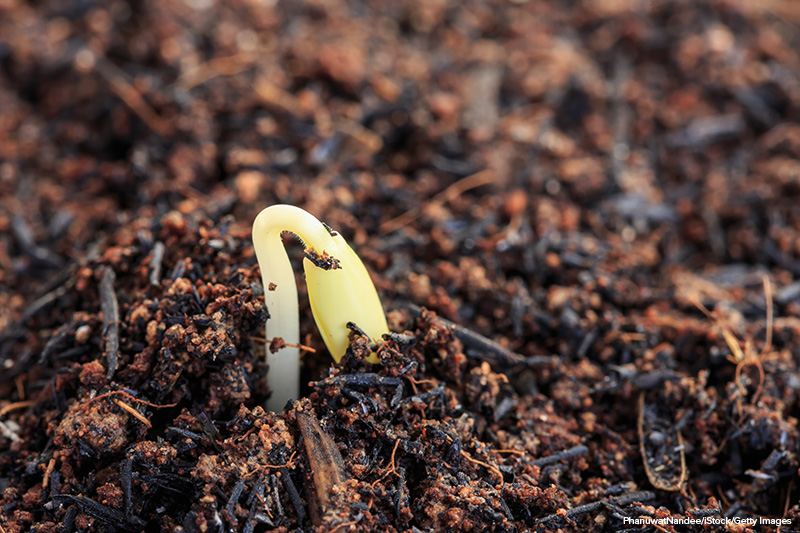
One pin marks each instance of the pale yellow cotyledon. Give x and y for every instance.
(339, 289)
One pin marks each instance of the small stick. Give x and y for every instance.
(126, 480)
(129, 397)
(325, 464)
(768, 298)
(234, 499)
(19, 381)
(56, 340)
(560, 456)
(47, 472)
(497, 353)
(489, 467)
(625, 499)
(104, 513)
(788, 500)
(132, 98)
(68, 524)
(484, 177)
(294, 495)
(677, 482)
(219, 66)
(276, 496)
(43, 302)
(288, 464)
(110, 309)
(14, 406)
(155, 263)
(24, 235)
(761, 377)
(136, 414)
(301, 347)
(513, 452)
(272, 95)
(345, 524)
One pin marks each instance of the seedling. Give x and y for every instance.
(339, 290)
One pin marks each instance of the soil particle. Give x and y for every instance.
(93, 375)
(92, 429)
(152, 454)
(452, 504)
(110, 494)
(600, 199)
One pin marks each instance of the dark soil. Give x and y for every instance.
(582, 217)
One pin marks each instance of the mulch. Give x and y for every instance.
(583, 219)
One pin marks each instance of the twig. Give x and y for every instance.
(490, 350)
(302, 347)
(345, 524)
(219, 66)
(24, 236)
(294, 495)
(104, 513)
(560, 456)
(14, 406)
(136, 414)
(19, 381)
(770, 319)
(325, 465)
(48, 471)
(745, 358)
(621, 116)
(290, 464)
(706, 130)
(761, 377)
(126, 480)
(155, 263)
(750, 360)
(512, 452)
(272, 95)
(56, 341)
(129, 397)
(45, 300)
(788, 500)
(234, 499)
(663, 482)
(68, 523)
(110, 309)
(489, 467)
(484, 177)
(132, 98)
(625, 499)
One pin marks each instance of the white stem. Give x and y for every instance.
(283, 376)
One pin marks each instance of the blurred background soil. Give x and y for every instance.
(603, 195)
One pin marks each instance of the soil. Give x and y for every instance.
(583, 219)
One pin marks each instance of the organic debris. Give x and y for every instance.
(583, 219)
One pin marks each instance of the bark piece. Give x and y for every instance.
(326, 466)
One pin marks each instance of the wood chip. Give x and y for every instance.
(326, 466)
(661, 446)
(110, 309)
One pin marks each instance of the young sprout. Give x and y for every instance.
(339, 289)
